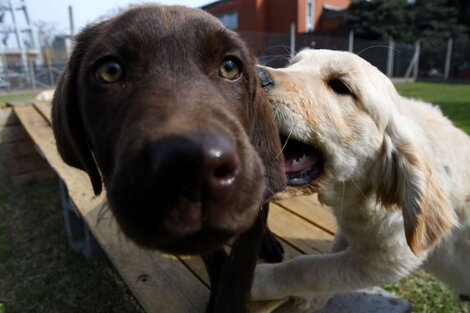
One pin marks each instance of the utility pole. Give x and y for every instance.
(72, 24)
(15, 22)
(12, 13)
(292, 40)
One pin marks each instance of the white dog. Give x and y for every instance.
(396, 171)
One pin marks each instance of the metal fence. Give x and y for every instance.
(30, 76)
(445, 60)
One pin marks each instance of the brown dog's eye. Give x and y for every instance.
(338, 86)
(109, 72)
(230, 68)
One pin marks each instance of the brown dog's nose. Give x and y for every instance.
(194, 164)
(221, 162)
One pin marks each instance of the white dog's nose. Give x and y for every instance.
(264, 77)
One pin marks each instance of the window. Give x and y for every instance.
(230, 19)
(309, 21)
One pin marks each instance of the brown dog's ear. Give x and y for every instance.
(405, 179)
(71, 139)
(265, 138)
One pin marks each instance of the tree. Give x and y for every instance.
(378, 20)
(406, 21)
(435, 19)
(463, 7)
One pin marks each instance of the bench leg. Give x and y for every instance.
(80, 237)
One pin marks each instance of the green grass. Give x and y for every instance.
(25, 96)
(426, 294)
(38, 270)
(453, 99)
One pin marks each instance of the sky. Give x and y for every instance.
(86, 11)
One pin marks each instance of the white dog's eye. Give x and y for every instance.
(338, 86)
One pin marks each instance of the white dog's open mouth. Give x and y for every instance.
(303, 163)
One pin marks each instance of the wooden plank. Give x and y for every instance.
(298, 232)
(308, 231)
(160, 282)
(45, 108)
(42, 136)
(196, 265)
(12, 133)
(308, 207)
(7, 117)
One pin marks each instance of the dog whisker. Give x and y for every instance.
(285, 47)
(357, 187)
(377, 46)
(102, 211)
(266, 59)
(286, 59)
(271, 191)
(285, 144)
(274, 56)
(341, 208)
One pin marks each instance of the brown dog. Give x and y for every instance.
(162, 104)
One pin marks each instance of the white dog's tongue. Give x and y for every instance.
(295, 165)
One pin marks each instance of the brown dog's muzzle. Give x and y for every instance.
(179, 193)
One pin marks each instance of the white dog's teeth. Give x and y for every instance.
(299, 160)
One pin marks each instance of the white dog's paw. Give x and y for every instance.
(264, 286)
(311, 304)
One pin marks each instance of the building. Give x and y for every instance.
(61, 49)
(276, 16)
(266, 23)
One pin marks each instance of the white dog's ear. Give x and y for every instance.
(405, 179)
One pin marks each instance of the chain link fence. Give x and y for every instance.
(30, 71)
(445, 60)
(439, 60)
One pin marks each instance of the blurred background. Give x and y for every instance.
(406, 39)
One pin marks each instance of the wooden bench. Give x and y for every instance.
(161, 282)
(22, 161)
